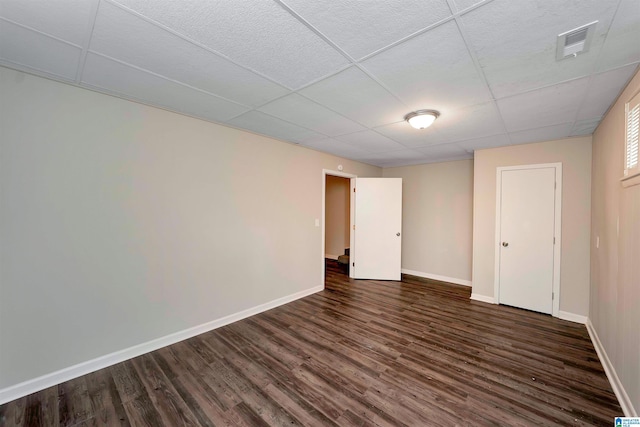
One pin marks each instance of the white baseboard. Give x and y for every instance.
(40, 383)
(571, 317)
(437, 277)
(616, 385)
(483, 298)
(329, 256)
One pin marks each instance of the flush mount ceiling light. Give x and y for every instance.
(422, 119)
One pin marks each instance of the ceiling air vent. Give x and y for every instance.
(573, 42)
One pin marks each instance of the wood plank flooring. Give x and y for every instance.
(360, 353)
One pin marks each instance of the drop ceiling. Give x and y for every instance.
(339, 76)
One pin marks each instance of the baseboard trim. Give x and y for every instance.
(333, 257)
(453, 280)
(483, 298)
(40, 383)
(571, 317)
(614, 380)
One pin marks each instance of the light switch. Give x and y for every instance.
(317, 222)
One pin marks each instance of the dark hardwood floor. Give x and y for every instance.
(360, 353)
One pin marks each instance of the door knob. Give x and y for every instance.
(505, 244)
(398, 234)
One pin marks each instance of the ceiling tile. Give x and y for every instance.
(335, 147)
(585, 127)
(403, 133)
(433, 70)
(360, 31)
(128, 38)
(355, 95)
(544, 107)
(259, 35)
(297, 109)
(270, 126)
(516, 45)
(68, 20)
(464, 4)
(444, 151)
(138, 85)
(470, 122)
(28, 48)
(548, 133)
(471, 145)
(603, 90)
(370, 141)
(395, 157)
(621, 46)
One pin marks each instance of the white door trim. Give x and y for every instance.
(557, 248)
(326, 172)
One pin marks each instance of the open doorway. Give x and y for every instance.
(337, 216)
(337, 212)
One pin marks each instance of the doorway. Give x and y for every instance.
(528, 219)
(337, 217)
(334, 177)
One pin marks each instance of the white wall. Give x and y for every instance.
(437, 215)
(615, 264)
(575, 156)
(122, 223)
(337, 218)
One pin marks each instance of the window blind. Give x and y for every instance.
(633, 135)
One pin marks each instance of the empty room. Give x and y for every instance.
(296, 212)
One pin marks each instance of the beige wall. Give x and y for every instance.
(122, 223)
(575, 155)
(437, 217)
(337, 204)
(615, 264)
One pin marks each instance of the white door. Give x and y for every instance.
(378, 227)
(526, 238)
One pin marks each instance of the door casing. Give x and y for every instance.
(352, 177)
(557, 248)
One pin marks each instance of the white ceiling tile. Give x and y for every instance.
(270, 126)
(360, 31)
(516, 43)
(297, 109)
(471, 145)
(545, 107)
(585, 127)
(548, 133)
(355, 95)
(335, 147)
(132, 83)
(433, 70)
(130, 39)
(603, 90)
(260, 35)
(622, 46)
(464, 4)
(444, 150)
(68, 20)
(28, 48)
(403, 155)
(370, 141)
(403, 133)
(470, 122)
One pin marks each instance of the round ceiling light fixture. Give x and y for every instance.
(422, 119)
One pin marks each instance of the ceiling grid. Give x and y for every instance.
(339, 77)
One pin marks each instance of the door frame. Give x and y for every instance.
(352, 178)
(557, 247)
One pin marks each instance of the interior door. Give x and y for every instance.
(378, 228)
(526, 251)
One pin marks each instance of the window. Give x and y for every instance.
(632, 111)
